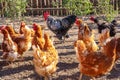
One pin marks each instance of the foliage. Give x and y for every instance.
(79, 7)
(55, 4)
(106, 8)
(64, 2)
(14, 8)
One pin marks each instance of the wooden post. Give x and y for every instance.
(37, 7)
(32, 6)
(53, 11)
(45, 2)
(61, 7)
(48, 5)
(57, 7)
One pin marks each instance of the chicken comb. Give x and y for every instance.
(35, 26)
(92, 18)
(78, 21)
(46, 14)
(22, 23)
(2, 27)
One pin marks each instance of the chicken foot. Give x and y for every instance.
(93, 78)
(21, 58)
(47, 78)
(10, 64)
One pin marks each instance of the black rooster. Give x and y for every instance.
(60, 26)
(113, 28)
(102, 26)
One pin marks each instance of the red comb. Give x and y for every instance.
(78, 21)
(2, 27)
(35, 26)
(92, 18)
(46, 14)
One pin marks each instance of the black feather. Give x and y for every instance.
(61, 26)
(102, 26)
(112, 28)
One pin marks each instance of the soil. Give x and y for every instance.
(67, 68)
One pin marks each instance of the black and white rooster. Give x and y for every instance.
(60, 27)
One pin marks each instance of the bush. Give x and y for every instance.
(107, 9)
(14, 8)
(79, 7)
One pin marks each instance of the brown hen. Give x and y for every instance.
(97, 63)
(86, 34)
(9, 47)
(103, 37)
(38, 38)
(45, 61)
(24, 43)
(12, 32)
(22, 27)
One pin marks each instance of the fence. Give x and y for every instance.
(37, 7)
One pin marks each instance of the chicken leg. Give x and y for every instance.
(80, 78)
(47, 78)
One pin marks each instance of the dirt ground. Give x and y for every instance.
(67, 68)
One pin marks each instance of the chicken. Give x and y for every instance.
(104, 36)
(12, 32)
(102, 26)
(45, 61)
(38, 38)
(97, 63)
(60, 27)
(24, 39)
(32, 33)
(80, 26)
(86, 34)
(21, 29)
(9, 47)
(24, 43)
(118, 49)
(112, 27)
